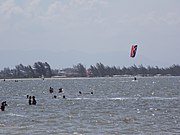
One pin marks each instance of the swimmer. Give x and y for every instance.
(51, 90)
(60, 90)
(80, 92)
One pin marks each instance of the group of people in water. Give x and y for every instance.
(85, 93)
(51, 90)
(32, 100)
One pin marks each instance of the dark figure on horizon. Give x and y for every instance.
(80, 92)
(135, 78)
(64, 96)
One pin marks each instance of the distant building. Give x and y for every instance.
(68, 72)
(89, 73)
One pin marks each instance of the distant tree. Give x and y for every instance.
(48, 70)
(94, 71)
(55, 72)
(30, 71)
(175, 70)
(142, 70)
(39, 69)
(7, 73)
(42, 69)
(115, 71)
(126, 71)
(133, 70)
(108, 71)
(81, 70)
(101, 69)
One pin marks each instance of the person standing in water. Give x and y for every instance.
(30, 102)
(33, 100)
(3, 104)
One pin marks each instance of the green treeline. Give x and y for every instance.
(40, 69)
(21, 71)
(101, 70)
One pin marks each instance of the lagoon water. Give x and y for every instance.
(118, 106)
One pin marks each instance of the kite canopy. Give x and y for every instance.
(133, 51)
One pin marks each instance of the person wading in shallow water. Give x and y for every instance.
(32, 100)
(3, 104)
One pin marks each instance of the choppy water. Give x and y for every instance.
(118, 106)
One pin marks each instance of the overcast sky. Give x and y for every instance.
(67, 32)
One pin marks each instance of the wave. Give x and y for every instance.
(13, 114)
(127, 98)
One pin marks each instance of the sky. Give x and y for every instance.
(67, 32)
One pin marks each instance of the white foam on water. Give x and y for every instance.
(160, 98)
(17, 115)
(2, 125)
(127, 98)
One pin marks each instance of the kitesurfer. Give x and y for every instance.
(133, 51)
